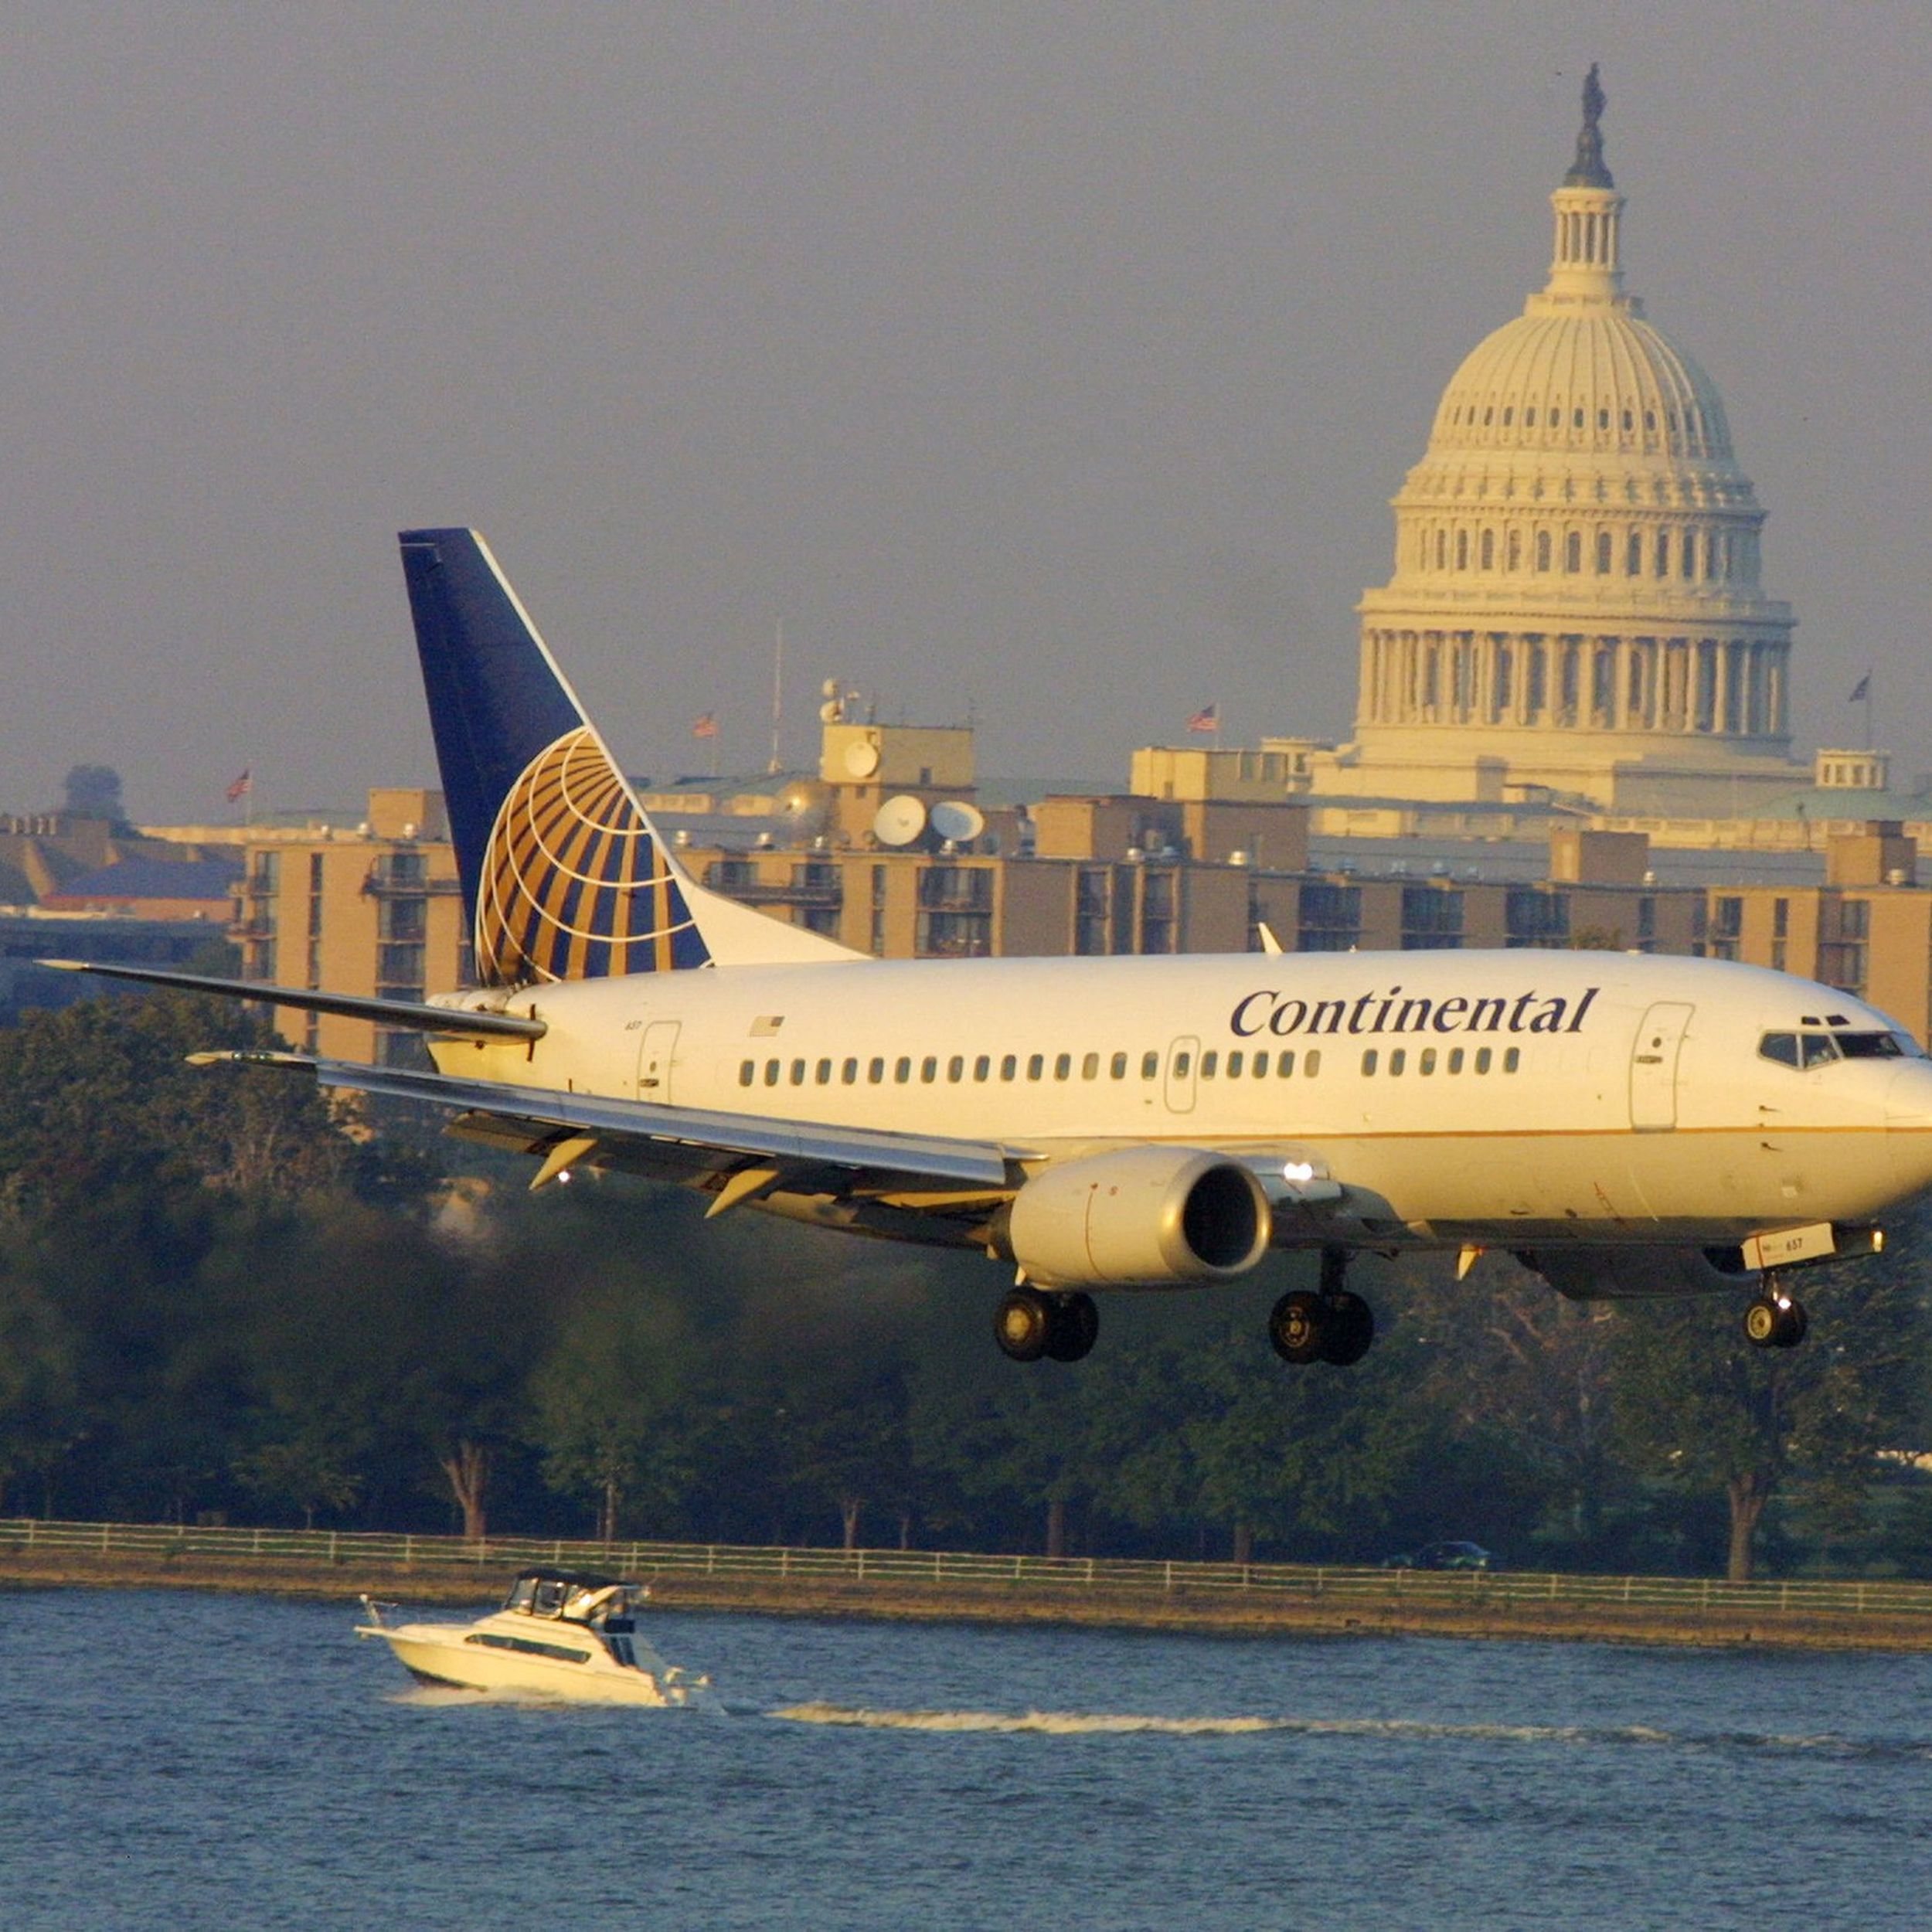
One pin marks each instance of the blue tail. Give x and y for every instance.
(562, 875)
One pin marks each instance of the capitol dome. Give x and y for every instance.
(1575, 607)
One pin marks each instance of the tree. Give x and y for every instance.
(94, 791)
(1699, 1407)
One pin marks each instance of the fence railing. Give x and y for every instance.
(883, 1569)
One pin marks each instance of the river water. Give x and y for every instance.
(177, 1759)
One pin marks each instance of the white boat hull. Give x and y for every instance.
(439, 1654)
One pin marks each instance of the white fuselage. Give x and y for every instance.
(1504, 1097)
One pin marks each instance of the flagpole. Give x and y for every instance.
(777, 695)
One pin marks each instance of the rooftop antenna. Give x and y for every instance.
(777, 696)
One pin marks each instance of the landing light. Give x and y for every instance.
(1298, 1170)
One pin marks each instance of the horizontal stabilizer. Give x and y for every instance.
(454, 1021)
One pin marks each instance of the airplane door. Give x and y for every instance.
(1182, 1057)
(1653, 1067)
(654, 1054)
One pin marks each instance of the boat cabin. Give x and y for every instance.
(575, 1596)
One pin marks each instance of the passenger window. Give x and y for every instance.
(824, 1073)
(747, 1072)
(1284, 1064)
(1368, 1059)
(875, 1072)
(1260, 1067)
(1062, 1066)
(929, 1069)
(797, 1072)
(1482, 1059)
(1116, 1068)
(771, 1072)
(982, 1066)
(1210, 1061)
(1511, 1059)
(1090, 1067)
(1455, 1059)
(1781, 1047)
(1009, 1066)
(1311, 1065)
(956, 1068)
(1035, 1065)
(1183, 1065)
(1398, 1059)
(1150, 1067)
(1236, 1062)
(902, 1070)
(849, 1072)
(1425, 1061)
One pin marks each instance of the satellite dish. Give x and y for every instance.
(899, 819)
(957, 822)
(862, 758)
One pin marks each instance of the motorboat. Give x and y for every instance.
(560, 1633)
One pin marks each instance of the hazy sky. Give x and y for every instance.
(1056, 362)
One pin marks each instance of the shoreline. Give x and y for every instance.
(1491, 1616)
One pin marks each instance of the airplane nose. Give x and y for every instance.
(1908, 1124)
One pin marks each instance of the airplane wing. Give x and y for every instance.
(546, 1119)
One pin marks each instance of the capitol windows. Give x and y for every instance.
(1687, 556)
(1603, 554)
(1462, 549)
(1633, 555)
(1489, 549)
(1602, 419)
(1663, 553)
(1516, 550)
(1576, 419)
(1442, 550)
(1627, 422)
(1543, 549)
(1509, 416)
(1529, 419)
(1650, 422)
(1573, 552)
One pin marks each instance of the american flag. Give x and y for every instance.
(241, 787)
(707, 727)
(1207, 719)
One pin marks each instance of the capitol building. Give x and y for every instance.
(1577, 614)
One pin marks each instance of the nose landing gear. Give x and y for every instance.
(1773, 1320)
(1333, 1325)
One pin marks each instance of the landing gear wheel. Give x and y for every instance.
(1295, 1326)
(1774, 1320)
(1073, 1324)
(1022, 1324)
(1347, 1328)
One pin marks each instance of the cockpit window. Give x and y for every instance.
(1817, 1050)
(1868, 1046)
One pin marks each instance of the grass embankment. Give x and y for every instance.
(1495, 1607)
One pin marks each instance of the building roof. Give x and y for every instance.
(155, 879)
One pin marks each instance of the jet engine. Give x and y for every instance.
(1150, 1217)
(1609, 1274)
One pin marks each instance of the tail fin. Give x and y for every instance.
(563, 876)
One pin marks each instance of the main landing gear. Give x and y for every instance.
(1773, 1320)
(1030, 1323)
(1332, 1324)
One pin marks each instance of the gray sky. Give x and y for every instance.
(1057, 361)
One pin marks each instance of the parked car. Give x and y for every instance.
(1443, 1556)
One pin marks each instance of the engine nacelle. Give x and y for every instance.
(1149, 1217)
(1630, 1273)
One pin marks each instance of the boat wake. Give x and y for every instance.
(1092, 1724)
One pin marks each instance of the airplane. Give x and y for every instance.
(1625, 1124)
